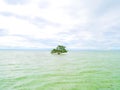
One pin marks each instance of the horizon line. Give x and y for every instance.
(46, 49)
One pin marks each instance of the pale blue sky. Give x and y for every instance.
(43, 24)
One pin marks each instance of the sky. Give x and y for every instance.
(44, 24)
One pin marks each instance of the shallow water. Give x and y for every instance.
(39, 70)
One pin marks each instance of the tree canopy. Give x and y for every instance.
(59, 49)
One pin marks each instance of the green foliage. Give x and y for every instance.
(59, 49)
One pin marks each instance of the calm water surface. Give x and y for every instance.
(39, 70)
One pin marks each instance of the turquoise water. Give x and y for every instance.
(39, 70)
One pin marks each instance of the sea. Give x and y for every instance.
(76, 70)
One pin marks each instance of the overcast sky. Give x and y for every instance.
(43, 24)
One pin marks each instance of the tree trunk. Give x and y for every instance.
(58, 53)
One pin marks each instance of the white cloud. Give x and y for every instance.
(81, 20)
(19, 42)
